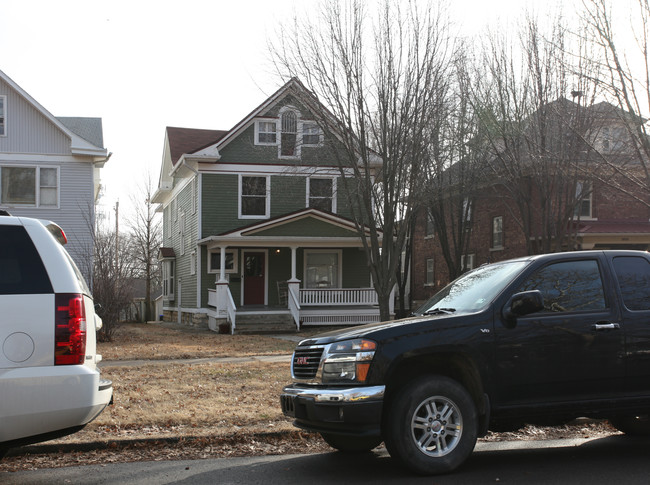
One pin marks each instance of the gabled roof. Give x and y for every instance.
(290, 229)
(79, 144)
(190, 140)
(90, 129)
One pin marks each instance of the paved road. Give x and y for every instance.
(615, 459)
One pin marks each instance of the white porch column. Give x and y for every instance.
(222, 286)
(222, 266)
(294, 283)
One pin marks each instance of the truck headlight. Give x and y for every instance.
(348, 361)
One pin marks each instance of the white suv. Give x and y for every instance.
(49, 382)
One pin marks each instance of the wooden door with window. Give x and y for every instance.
(254, 278)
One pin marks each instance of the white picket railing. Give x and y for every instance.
(294, 306)
(232, 311)
(338, 296)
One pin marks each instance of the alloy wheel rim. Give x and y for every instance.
(437, 426)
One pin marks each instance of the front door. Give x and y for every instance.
(254, 278)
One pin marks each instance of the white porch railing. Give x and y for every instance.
(212, 297)
(294, 306)
(338, 296)
(232, 311)
(224, 304)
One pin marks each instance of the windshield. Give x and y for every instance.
(474, 290)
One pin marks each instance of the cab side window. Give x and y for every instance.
(633, 274)
(569, 286)
(21, 268)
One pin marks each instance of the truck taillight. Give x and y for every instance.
(70, 329)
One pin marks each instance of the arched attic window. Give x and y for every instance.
(289, 136)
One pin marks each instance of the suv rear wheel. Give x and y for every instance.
(431, 425)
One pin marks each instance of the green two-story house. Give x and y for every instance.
(256, 224)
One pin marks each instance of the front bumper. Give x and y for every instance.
(355, 410)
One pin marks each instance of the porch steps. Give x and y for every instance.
(260, 323)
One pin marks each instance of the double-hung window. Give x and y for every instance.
(253, 197)
(583, 200)
(3, 116)
(266, 132)
(29, 186)
(429, 273)
(168, 270)
(497, 232)
(310, 134)
(320, 193)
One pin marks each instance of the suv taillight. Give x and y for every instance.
(70, 329)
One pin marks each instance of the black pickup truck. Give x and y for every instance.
(540, 340)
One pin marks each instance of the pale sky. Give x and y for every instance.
(142, 65)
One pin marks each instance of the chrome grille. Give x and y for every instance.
(305, 362)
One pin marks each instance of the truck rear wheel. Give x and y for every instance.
(431, 425)
(351, 444)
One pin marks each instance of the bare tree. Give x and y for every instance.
(626, 80)
(112, 277)
(537, 136)
(457, 169)
(146, 239)
(378, 78)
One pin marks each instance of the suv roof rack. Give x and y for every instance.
(4, 213)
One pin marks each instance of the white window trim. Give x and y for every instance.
(37, 187)
(301, 131)
(257, 131)
(298, 154)
(339, 253)
(193, 262)
(429, 220)
(334, 191)
(267, 211)
(3, 98)
(590, 217)
(235, 257)
(469, 259)
(166, 264)
(426, 272)
(492, 234)
(181, 231)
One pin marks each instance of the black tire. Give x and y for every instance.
(632, 425)
(431, 425)
(351, 444)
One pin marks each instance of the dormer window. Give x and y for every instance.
(289, 135)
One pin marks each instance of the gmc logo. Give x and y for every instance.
(302, 361)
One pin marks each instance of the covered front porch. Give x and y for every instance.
(307, 269)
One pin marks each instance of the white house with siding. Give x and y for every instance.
(49, 167)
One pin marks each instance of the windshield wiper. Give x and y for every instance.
(438, 311)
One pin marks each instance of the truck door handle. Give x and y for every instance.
(605, 326)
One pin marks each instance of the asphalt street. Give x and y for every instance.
(615, 459)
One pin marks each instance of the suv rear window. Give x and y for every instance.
(21, 268)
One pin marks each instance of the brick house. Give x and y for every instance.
(611, 212)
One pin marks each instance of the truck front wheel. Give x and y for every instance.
(431, 425)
